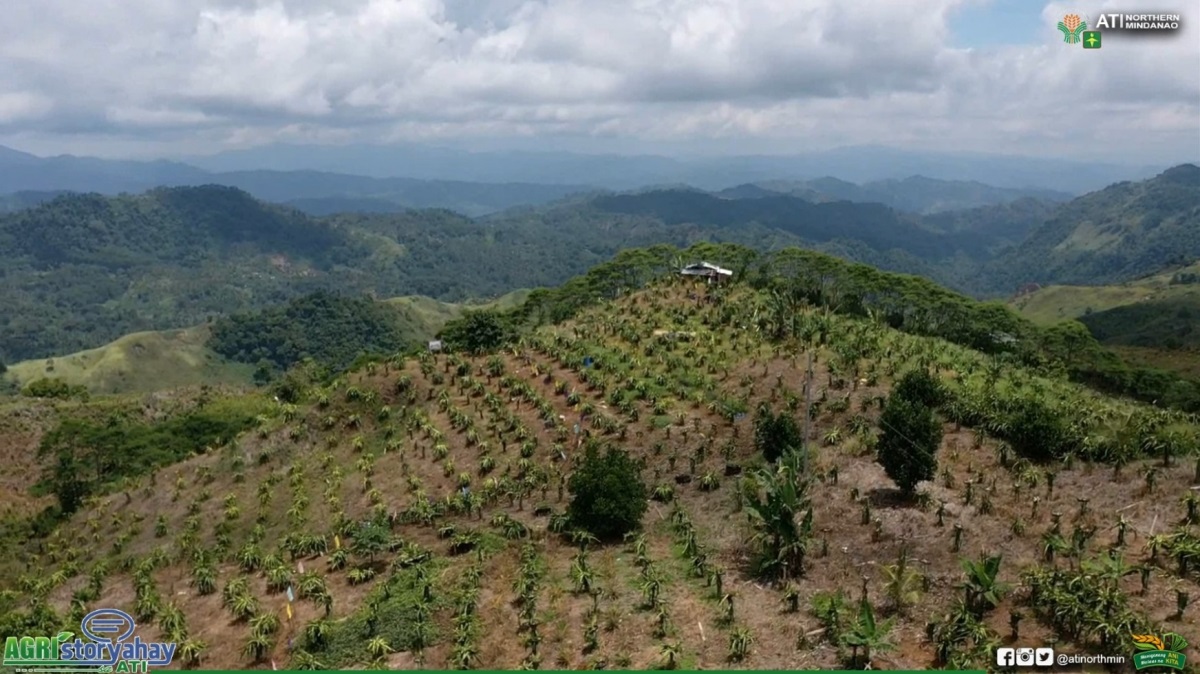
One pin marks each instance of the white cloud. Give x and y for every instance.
(177, 73)
(19, 106)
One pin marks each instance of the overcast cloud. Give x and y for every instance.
(161, 77)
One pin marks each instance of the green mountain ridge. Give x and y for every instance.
(1126, 231)
(915, 194)
(83, 270)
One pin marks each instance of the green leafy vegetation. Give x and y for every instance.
(330, 329)
(775, 433)
(86, 456)
(48, 387)
(608, 497)
(477, 331)
(797, 278)
(909, 442)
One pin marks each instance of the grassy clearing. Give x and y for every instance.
(1055, 303)
(153, 361)
(1052, 304)
(143, 361)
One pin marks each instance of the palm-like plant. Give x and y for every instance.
(983, 589)
(244, 606)
(773, 507)
(191, 651)
(866, 636)
(740, 642)
(257, 646)
(902, 584)
(304, 661)
(379, 647)
(172, 621)
(316, 633)
(669, 652)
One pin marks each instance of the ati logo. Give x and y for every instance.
(1072, 27)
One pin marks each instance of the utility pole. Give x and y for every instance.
(808, 377)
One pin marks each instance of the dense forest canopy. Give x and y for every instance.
(331, 329)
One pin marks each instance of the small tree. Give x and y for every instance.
(920, 386)
(476, 332)
(907, 448)
(608, 497)
(370, 539)
(775, 434)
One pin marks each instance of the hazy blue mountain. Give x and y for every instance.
(22, 172)
(321, 193)
(855, 164)
(915, 194)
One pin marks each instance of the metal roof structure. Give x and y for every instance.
(704, 269)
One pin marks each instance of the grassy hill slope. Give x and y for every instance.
(1150, 322)
(204, 550)
(1052, 303)
(156, 360)
(139, 362)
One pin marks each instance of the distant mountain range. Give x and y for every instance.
(623, 172)
(33, 178)
(81, 270)
(322, 180)
(915, 194)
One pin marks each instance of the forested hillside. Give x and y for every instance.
(1123, 232)
(82, 270)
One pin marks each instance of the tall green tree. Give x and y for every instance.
(476, 332)
(920, 386)
(608, 497)
(908, 446)
(775, 434)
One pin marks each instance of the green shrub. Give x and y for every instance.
(608, 495)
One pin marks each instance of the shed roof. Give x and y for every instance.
(705, 268)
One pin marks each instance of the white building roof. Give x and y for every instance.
(704, 269)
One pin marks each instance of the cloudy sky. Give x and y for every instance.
(146, 78)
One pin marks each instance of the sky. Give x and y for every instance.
(172, 78)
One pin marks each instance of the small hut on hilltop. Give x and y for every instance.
(707, 270)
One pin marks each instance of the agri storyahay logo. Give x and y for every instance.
(107, 648)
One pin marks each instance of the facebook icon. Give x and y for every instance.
(1006, 657)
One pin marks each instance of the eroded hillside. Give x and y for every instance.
(463, 463)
